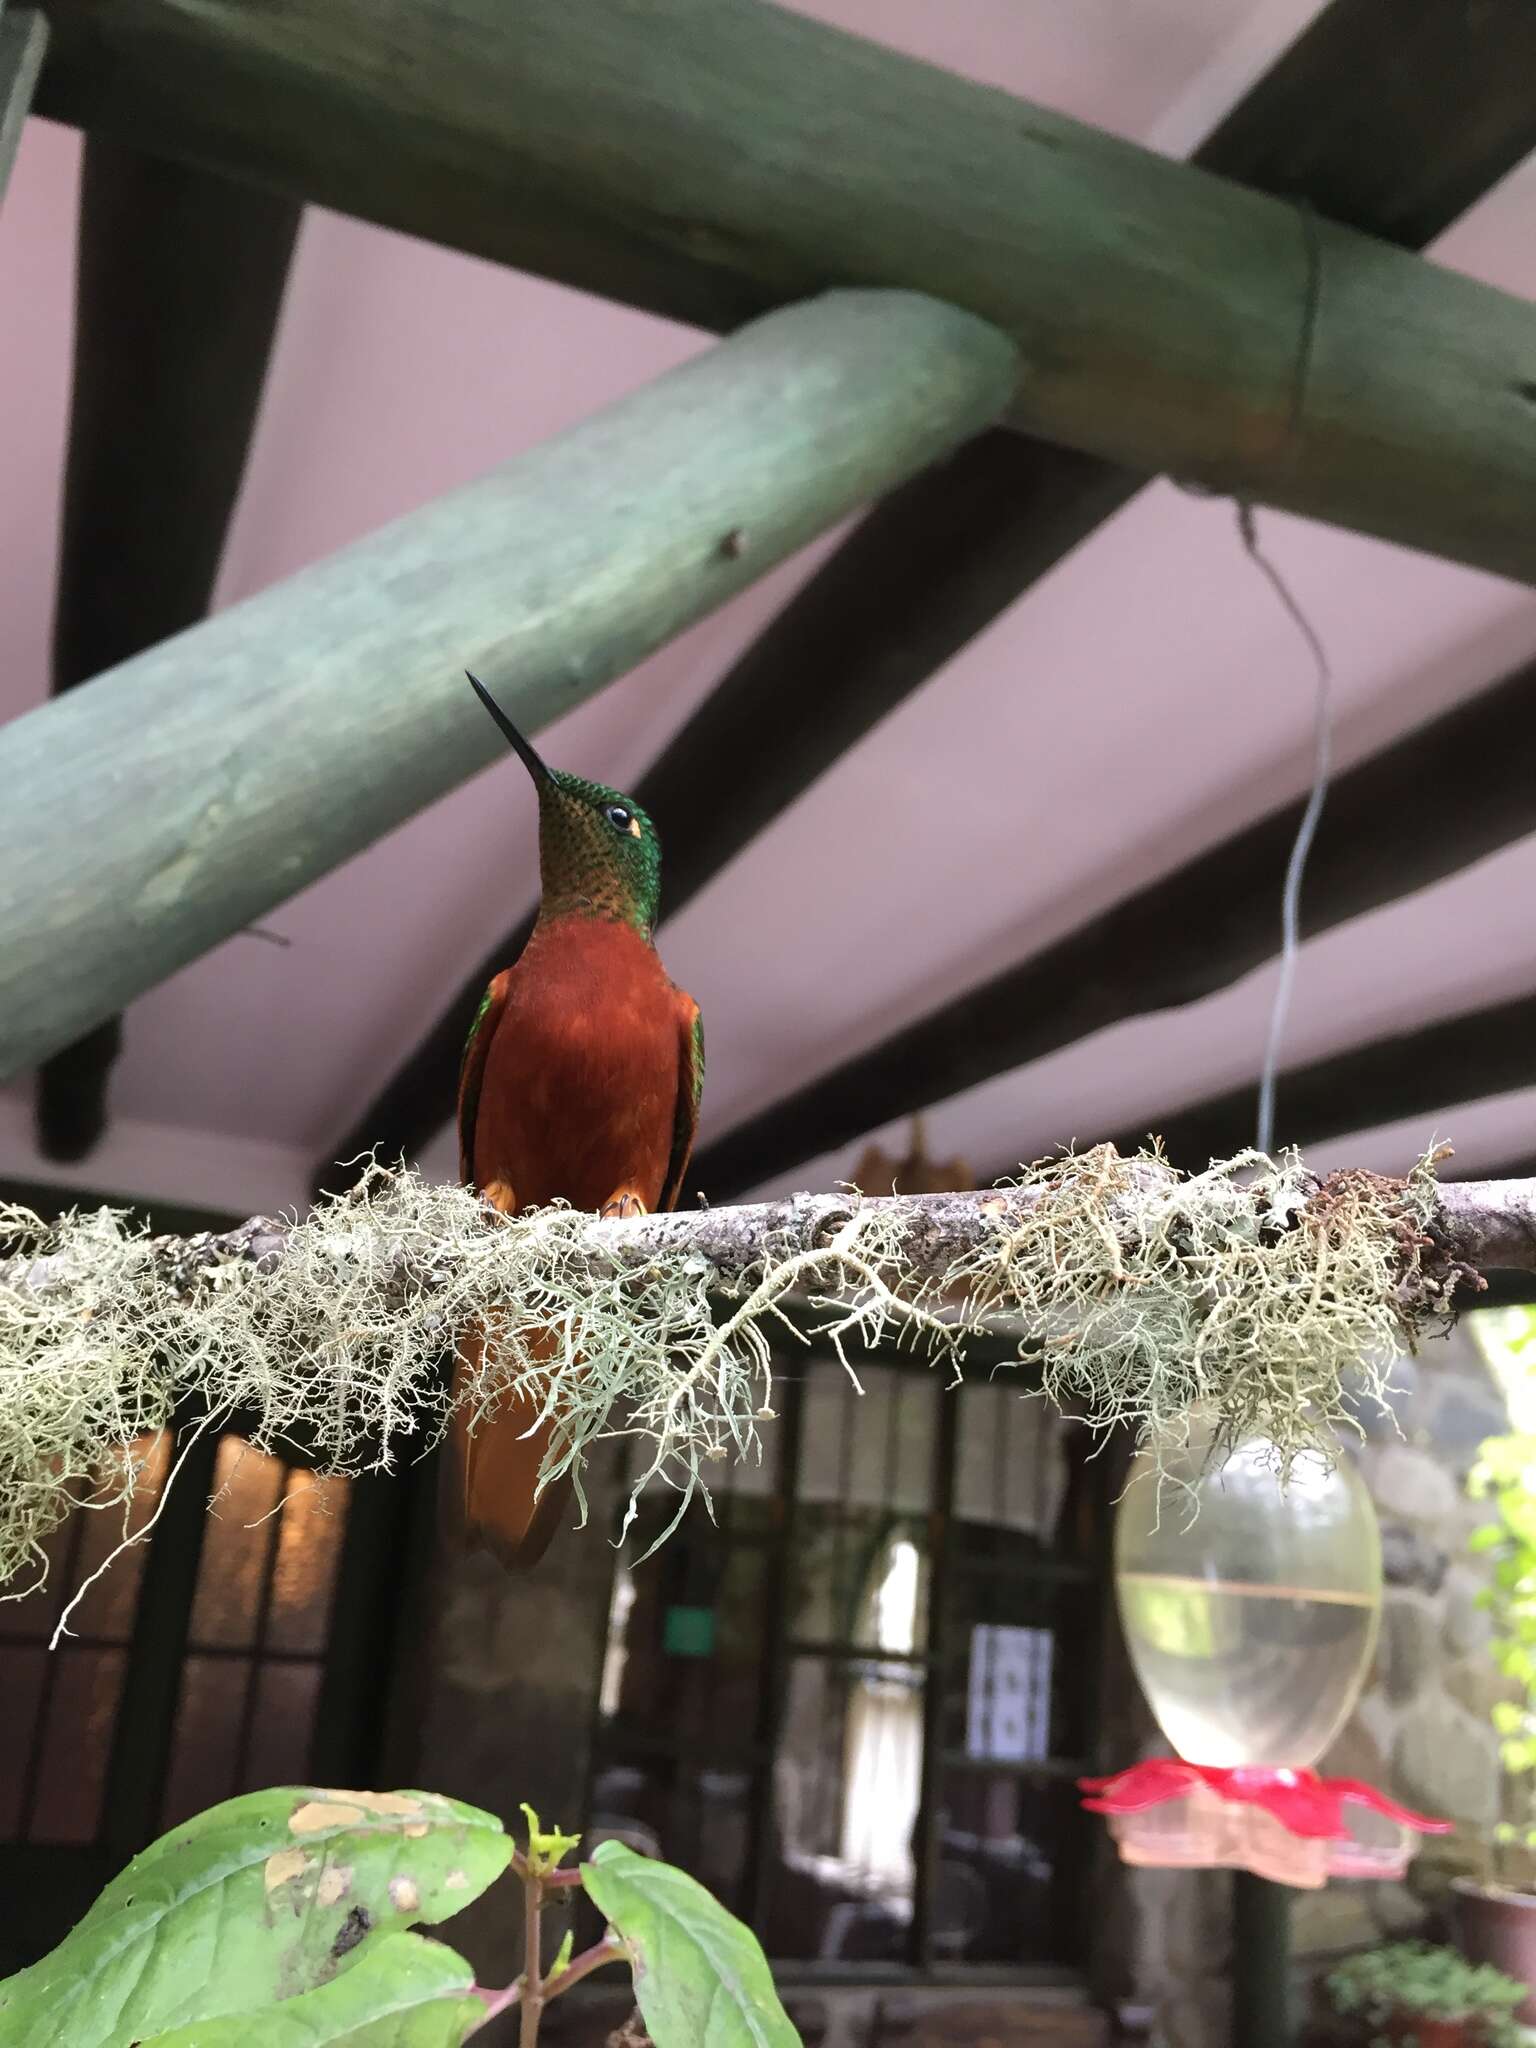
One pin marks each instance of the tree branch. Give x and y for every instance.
(1490, 1223)
(1474, 1225)
(1276, 1297)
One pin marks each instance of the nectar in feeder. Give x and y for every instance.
(1250, 1608)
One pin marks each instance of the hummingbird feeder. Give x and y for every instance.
(1250, 1608)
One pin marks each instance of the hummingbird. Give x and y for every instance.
(580, 1081)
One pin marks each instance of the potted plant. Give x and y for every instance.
(1414, 1995)
(1496, 1913)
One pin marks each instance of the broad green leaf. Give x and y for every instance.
(1508, 1719)
(405, 1992)
(701, 1978)
(259, 1899)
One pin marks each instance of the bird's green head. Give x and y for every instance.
(599, 854)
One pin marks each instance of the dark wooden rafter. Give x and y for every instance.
(1393, 121)
(1158, 309)
(180, 281)
(1339, 121)
(1464, 1058)
(1181, 938)
(23, 39)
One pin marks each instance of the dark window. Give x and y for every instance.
(61, 1707)
(854, 1704)
(238, 1647)
(250, 1681)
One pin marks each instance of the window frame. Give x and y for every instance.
(50, 1885)
(1084, 1518)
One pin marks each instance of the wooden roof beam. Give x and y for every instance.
(173, 800)
(708, 161)
(180, 277)
(1465, 1058)
(1177, 940)
(1444, 116)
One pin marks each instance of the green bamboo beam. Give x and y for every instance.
(1390, 121)
(176, 798)
(709, 158)
(23, 39)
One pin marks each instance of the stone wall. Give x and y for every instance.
(1420, 1730)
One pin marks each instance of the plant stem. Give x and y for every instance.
(496, 2001)
(533, 1984)
(605, 1951)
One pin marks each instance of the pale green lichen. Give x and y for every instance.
(1133, 1292)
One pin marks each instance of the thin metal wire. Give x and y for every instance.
(1247, 526)
(1290, 896)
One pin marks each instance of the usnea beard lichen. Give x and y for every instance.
(1133, 1292)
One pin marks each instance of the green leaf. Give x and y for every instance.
(1487, 1536)
(1508, 1719)
(701, 1978)
(406, 1992)
(262, 1898)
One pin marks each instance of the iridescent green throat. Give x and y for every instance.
(588, 866)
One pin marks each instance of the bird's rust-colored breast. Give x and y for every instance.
(580, 1088)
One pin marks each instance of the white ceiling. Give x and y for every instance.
(1139, 704)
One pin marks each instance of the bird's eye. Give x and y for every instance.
(619, 817)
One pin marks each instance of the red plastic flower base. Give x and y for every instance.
(1288, 1825)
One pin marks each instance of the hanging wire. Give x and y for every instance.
(1290, 896)
(1247, 526)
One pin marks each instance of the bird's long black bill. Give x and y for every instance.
(523, 748)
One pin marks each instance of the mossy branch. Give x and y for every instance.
(1133, 1290)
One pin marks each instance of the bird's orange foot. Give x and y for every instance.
(625, 1203)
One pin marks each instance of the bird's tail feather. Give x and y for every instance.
(493, 1500)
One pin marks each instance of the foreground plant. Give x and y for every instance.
(1392, 1988)
(283, 1917)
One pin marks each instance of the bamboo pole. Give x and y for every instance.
(176, 798)
(1389, 121)
(709, 158)
(23, 39)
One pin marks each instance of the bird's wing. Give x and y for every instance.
(472, 1069)
(690, 1086)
